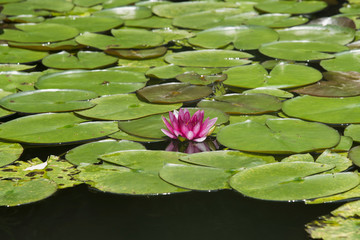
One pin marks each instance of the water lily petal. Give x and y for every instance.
(167, 133)
(167, 124)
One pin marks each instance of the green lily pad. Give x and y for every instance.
(117, 3)
(201, 79)
(23, 170)
(301, 50)
(41, 32)
(195, 177)
(174, 92)
(213, 18)
(255, 118)
(50, 128)
(83, 60)
(337, 84)
(120, 135)
(125, 13)
(344, 61)
(17, 55)
(103, 82)
(278, 136)
(340, 161)
(276, 20)
(143, 160)
(49, 100)
(354, 155)
(172, 10)
(151, 22)
(122, 39)
(174, 35)
(88, 3)
(231, 160)
(120, 180)
(149, 127)
(209, 58)
(15, 193)
(14, 81)
(353, 131)
(37, 7)
(15, 67)
(138, 53)
(242, 37)
(5, 113)
(165, 72)
(324, 109)
(48, 46)
(344, 145)
(124, 107)
(328, 33)
(292, 7)
(9, 152)
(88, 23)
(90, 152)
(289, 181)
(281, 76)
(270, 91)
(306, 157)
(243, 103)
(25, 19)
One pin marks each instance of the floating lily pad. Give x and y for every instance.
(165, 72)
(242, 37)
(90, 152)
(124, 136)
(117, 3)
(200, 79)
(37, 7)
(337, 84)
(121, 180)
(328, 33)
(278, 136)
(270, 91)
(23, 170)
(152, 22)
(281, 76)
(88, 23)
(230, 160)
(324, 109)
(15, 193)
(340, 161)
(301, 50)
(83, 60)
(292, 7)
(195, 177)
(52, 100)
(344, 61)
(209, 58)
(9, 152)
(344, 145)
(276, 20)
(306, 157)
(291, 181)
(50, 128)
(174, 92)
(48, 46)
(243, 103)
(353, 131)
(354, 155)
(138, 53)
(124, 107)
(255, 118)
(4, 113)
(14, 81)
(17, 55)
(103, 82)
(15, 67)
(149, 127)
(172, 10)
(88, 3)
(41, 32)
(121, 39)
(126, 13)
(174, 35)
(213, 18)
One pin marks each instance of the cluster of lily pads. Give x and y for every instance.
(281, 83)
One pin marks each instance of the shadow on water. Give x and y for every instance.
(78, 213)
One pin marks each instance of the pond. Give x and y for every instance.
(130, 119)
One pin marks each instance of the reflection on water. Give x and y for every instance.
(192, 147)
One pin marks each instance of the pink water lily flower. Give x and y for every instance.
(182, 124)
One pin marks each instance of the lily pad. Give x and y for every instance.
(103, 82)
(138, 53)
(15, 193)
(14, 81)
(242, 37)
(151, 22)
(41, 32)
(37, 7)
(324, 109)
(292, 7)
(15, 67)
(276, 20)
(270, 91)
(301, 50)
(281, 76)
(291, 181)
(51, 128)
(149, 127)
(278, 136)
(354, 155)
(52, 100)
(201, 79)
(173, 35)
(243, 103)
(17, 55)
(9, 152)
(174, 92)
(340, 161)
(209, 58)
(83, 60)
(231, 160)
(124, 107)
(328, 33)
(90, 152)
(306, 157)
(345, 61)
(121, 39)
(125, 13)
(48, 46)
(120, 135)
(195, 177)
(88, 23)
